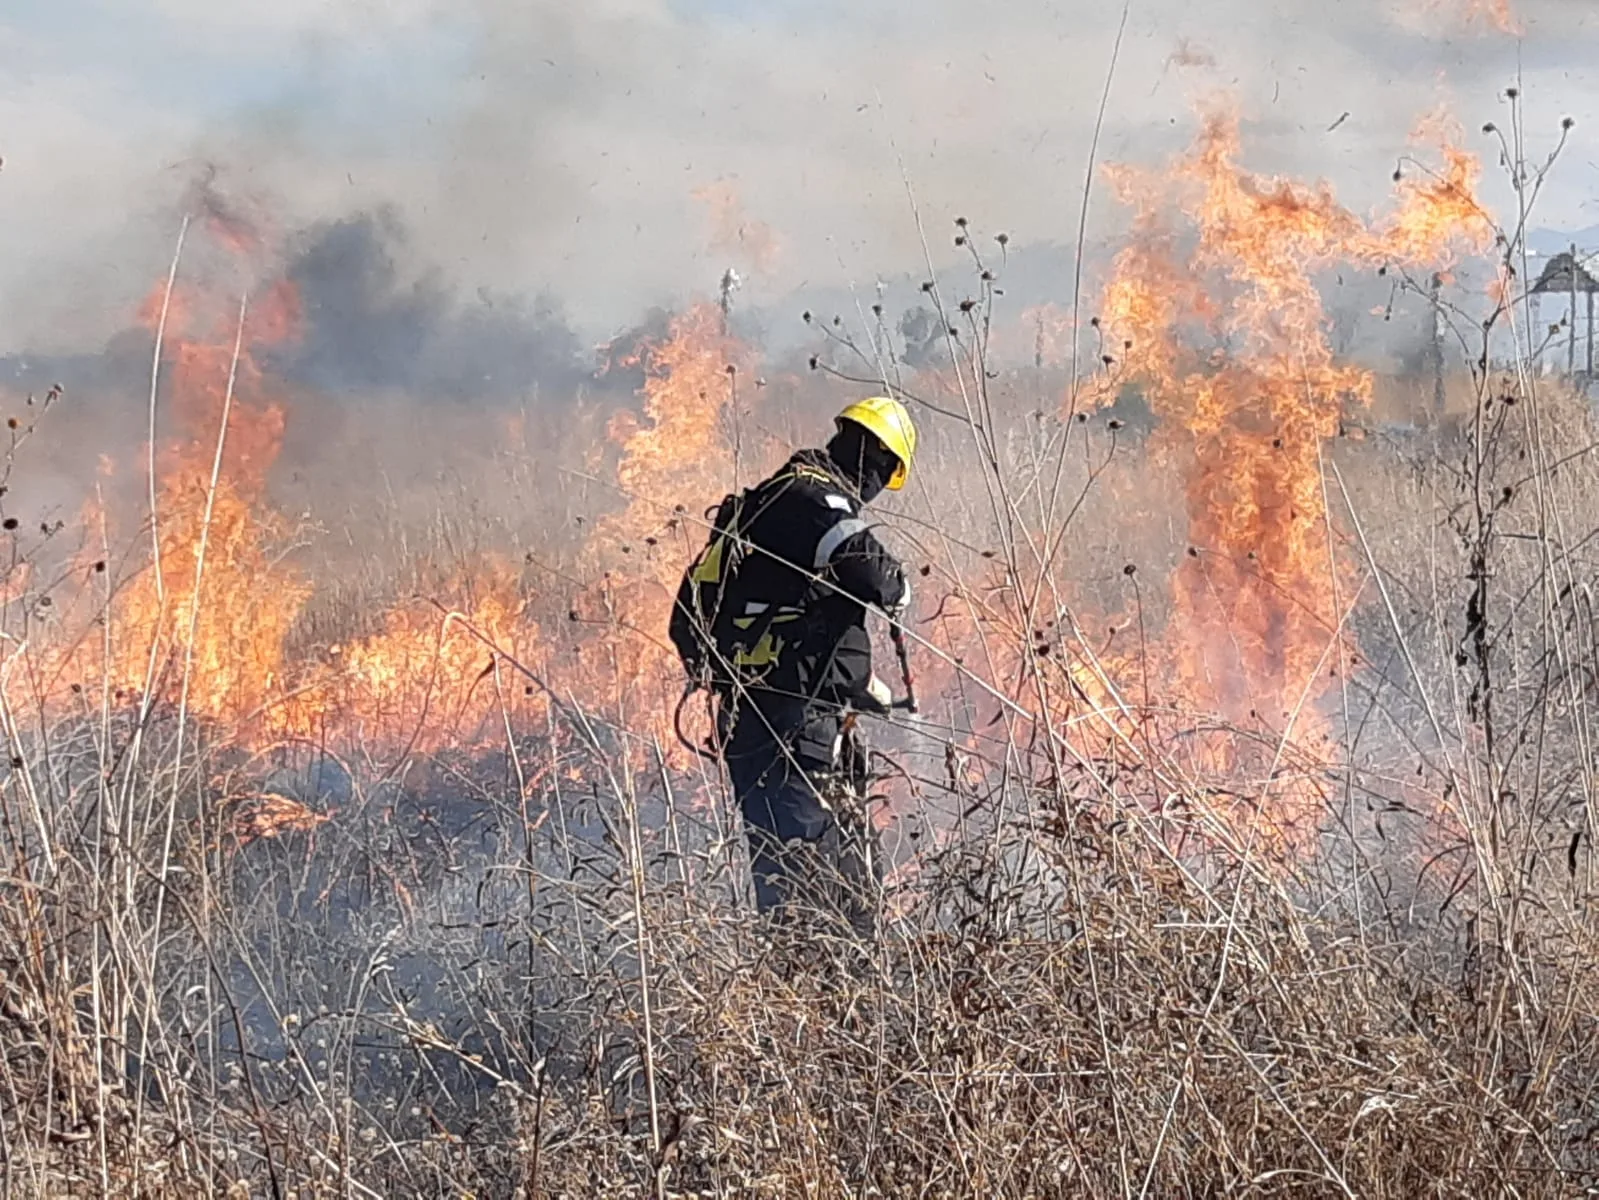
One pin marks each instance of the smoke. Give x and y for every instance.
(557, 149)
(368, 329)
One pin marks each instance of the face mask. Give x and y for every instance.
(865, 462)
(872, 480)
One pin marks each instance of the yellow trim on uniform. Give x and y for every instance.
(769, 649)
(709, 568)
(765, 653)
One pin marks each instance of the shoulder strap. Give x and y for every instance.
(752, 636)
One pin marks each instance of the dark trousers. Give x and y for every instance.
(813, 851)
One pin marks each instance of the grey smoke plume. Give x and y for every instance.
(367, 329)
(557, 149)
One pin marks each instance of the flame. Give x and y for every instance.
(229, 622)
(433, 678)
(1213, 310)
(438, 672)
(678, 454)
(672, 460)
(424, 682)
(1439, 215)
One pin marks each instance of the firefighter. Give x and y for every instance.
(772, 615)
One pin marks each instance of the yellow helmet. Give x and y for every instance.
(889, 421)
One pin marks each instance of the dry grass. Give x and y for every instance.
(530, 971)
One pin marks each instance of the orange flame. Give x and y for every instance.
(672, 461)
(230, 620)
(426, 681)
(1213, 310)
(1439, 214)
(432, 679)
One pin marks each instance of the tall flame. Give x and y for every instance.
(673, 458)
(228, 616)
(1214, 311)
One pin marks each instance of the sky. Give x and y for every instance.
(618, 154)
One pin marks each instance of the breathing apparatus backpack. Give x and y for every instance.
(706, 625)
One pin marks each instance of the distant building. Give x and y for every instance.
(1564, 275)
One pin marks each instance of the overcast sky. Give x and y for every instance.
(537, 146)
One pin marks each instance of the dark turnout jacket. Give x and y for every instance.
(809, 553)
